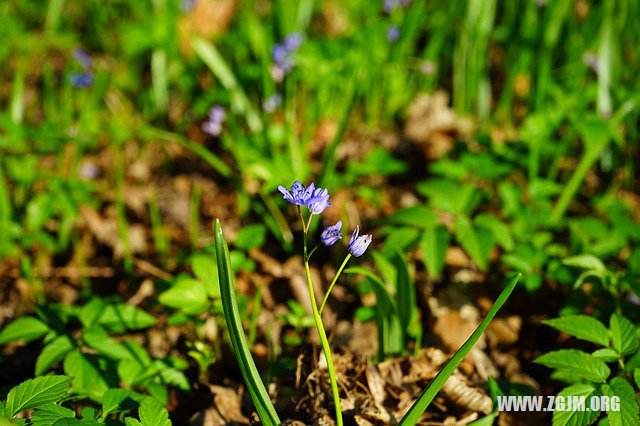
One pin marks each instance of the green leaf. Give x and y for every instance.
(390, 335)
(499, 229)
(53, 352)
(580, 364)
(47, 415)
(623, 335)
(581, 326)
(91, 311)
(25, 329)
(36, 392)
(606, 355)
(415, 412)
(434, 243)
(98, 339)
(406, 292)
(250, 236)
(187, 295)
(636, 377)
(152, 413)
(264, 407)
(116, 400)
(130, 421)
(447, 195)
(628, 414)
(476, 242)
(573, 417)
(418, 216)
(87, 378)
(586, 261)
(206, 270)
(120, 317)
(175, 377)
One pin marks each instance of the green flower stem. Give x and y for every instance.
(325, 346)
(326, 296)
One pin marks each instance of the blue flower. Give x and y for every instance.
(299, 195)
(213, 126)
(331, 234)
(393, 34)
(270, 104)
(82, 58)
(292, 42)
(358, 244)
(83, 79)
(319, 201)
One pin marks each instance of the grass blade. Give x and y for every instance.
(419, 407)
(264, 407)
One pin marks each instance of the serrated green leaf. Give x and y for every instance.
(261, 400)
(25, 329)
(434, 243)
(187, 295)
(581, 326)
(623, 335)
(33, 393)
(606, 355)
(636, 377)
(418, 216)
(130, 421)
(152, 413)
(47, 415)
(120, 317)
(91, 311)
(628, 414)
(53, 352)
(87, 378)
(573, 417)
(581, 364)
(116, 400)
(175, 377)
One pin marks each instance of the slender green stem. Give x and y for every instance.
(325, 346)
(311, 253)
(326, 296)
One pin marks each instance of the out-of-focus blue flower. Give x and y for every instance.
(331, 234)
(393, 34)
(82, 58)
(83, 79)
(271, 103)
(319, 201)
(358, 244)
(391, 5)
(299, 195)
(213, 126)
(279, 54)
(292, 42)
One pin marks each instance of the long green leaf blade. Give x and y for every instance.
(264, 407)
(419, 407)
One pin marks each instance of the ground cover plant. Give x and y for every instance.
(453, 146)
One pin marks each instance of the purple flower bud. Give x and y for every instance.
(272, 102)
(331, 234)
(358, 244)
(292, 42)
(213, 126)
(393, 34)
(319, 201)
(84, 79)
(82, 58)
(279, 54)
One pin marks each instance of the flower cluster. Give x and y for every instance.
(213, 125)
(84, 78)
(317, 200)
(283, 56)
(391, 5)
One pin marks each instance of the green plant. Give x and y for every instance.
(611, 370)
(47, 394)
